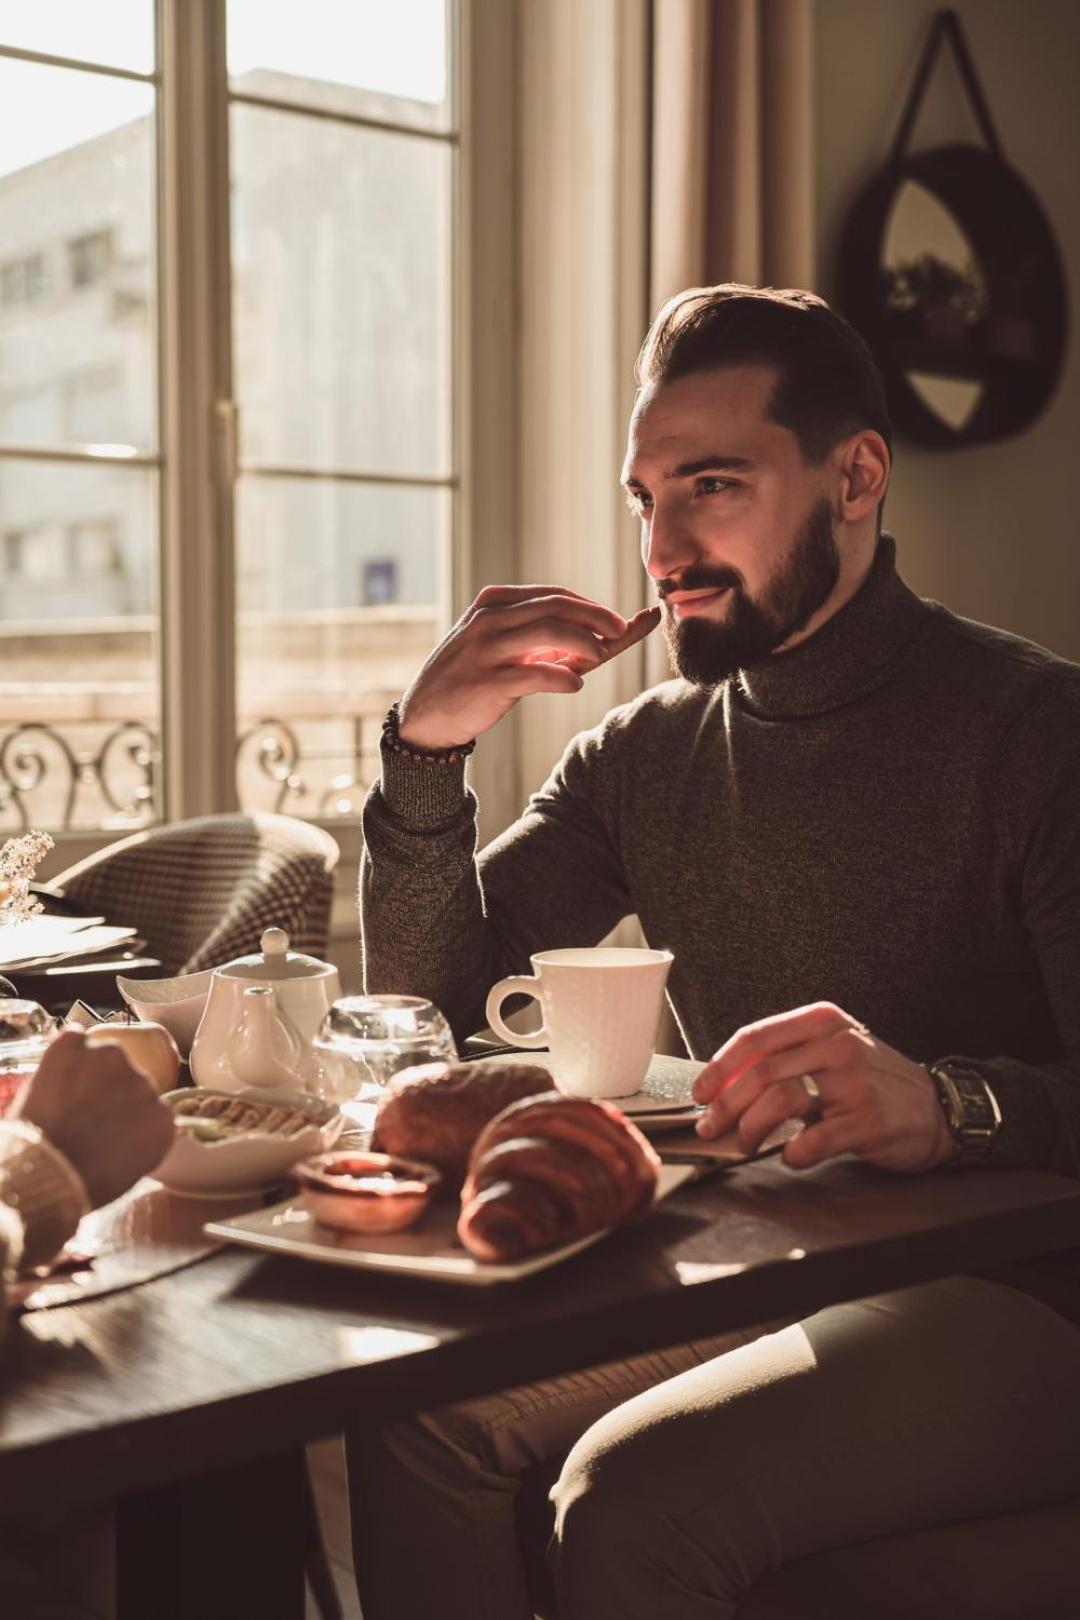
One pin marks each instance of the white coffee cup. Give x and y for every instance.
(601, 1008)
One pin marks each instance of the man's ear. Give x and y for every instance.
(864, 469)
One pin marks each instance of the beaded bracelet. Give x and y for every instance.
(434, 756)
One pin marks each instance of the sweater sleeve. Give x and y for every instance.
(1040, 1101)
(440, 921)
(42, 1200)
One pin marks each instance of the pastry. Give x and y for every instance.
(435, 1112)
(552, 1169)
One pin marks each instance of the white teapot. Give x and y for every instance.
(261, 1018)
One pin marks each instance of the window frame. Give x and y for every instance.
(196, 455)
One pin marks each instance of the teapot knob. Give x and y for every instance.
(273, 942)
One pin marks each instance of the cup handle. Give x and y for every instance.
(520, 985)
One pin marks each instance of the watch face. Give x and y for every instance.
(972, 1110)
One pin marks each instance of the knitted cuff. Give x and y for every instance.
(422, 792)
(42, 1188)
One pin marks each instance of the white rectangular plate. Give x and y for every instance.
(428, 1250)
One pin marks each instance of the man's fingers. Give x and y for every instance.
(524, 679)
(768, 1036)
(839, 1134)
(829, 1060)
(546, 641)
(789, 1099)
(641, 625)
(556, 606)
(497, 595)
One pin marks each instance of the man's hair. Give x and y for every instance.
(827, 385)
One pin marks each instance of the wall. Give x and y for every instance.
(992, 532)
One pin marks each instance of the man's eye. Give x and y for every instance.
(715, 486)
(638, 501)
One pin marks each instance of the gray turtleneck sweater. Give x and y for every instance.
(886, 817)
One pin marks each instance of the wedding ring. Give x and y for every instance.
(812, 1089)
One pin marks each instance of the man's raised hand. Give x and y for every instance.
(513, 640)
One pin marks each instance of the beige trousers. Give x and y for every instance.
(694, 1472)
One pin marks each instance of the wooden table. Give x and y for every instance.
(226, 1368)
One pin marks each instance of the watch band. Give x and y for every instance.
(971, 1110)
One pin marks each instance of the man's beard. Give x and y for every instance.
(706, 653)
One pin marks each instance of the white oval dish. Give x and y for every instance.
(243, 1161)
(177, 1003)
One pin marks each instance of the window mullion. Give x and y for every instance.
(197, 594)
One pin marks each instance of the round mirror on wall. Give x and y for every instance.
(950, 270)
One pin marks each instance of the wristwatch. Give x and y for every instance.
(971, 1110)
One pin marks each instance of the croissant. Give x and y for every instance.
(552, 1169)
(436, 1111)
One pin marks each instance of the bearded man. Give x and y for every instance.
(854, 819)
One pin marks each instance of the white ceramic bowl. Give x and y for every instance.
(243, 1162)
(177, 1003)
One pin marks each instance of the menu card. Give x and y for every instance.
(41, 941)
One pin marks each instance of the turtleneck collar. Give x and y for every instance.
(852, 653)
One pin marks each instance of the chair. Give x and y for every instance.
(201, 892)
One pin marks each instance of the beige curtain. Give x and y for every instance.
(732, 173)
(733, 144)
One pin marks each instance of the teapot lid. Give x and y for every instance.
(275, 961)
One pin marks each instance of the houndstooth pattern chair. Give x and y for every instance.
(201, 892)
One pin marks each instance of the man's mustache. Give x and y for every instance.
(700, 577)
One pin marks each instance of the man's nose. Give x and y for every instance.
(666, 547)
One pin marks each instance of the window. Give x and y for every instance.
(94, 550)
(15, 553)
(279, 570)
(89, 257)
(94, 404)
(341, 125)
(80, 460)
(22, 281)
(379, 581)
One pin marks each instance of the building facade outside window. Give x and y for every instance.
(89, 257)
(332, 262)
(23, 281)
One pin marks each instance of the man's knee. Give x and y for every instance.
(640, 1521)
(605, 1509)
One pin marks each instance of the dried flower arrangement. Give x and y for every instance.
(19, 858)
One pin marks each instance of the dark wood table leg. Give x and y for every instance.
(226, 1545)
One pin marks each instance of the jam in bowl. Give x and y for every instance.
(366, 1192)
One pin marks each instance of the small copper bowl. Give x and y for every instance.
(366, 1192)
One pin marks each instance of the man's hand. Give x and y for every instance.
(513, 640)
(873, 1101)
(99, 1111)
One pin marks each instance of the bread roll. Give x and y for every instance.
(550, 1170)
(435, 1112)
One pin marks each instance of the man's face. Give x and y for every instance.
(737, 529)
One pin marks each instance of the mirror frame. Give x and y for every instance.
(1015, 247)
